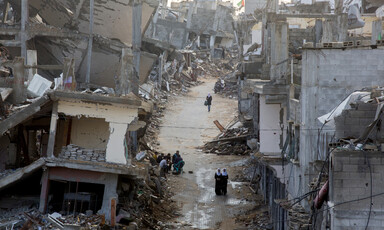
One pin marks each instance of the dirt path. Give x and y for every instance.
(187, 125)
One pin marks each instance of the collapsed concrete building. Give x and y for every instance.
(66, 126)
(79, 145)
(64, 26)
(296, 68)
(196, 24)
(75, 101)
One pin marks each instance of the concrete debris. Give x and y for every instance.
(24, 218)
(227, 85)
(140, 156)
(146, 204)
(73, 152)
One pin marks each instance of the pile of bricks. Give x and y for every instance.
(73, 152)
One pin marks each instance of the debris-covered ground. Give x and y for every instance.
(185, 126)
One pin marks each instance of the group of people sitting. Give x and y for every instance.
(166, 163)
(221, 181)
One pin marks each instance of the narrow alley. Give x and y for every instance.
(187, 125)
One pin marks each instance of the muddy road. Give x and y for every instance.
(186, 125)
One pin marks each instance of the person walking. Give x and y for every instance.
(224, 181)
(209, 101)
(218, 182)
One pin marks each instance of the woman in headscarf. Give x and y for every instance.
(209, 101)
(224, 181)
(218, 182)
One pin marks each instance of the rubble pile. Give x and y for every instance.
(74, 152)
(258, 218)
(227, 85)
(31, 218)
(225, 70)
(255, 216)
(146, 203)
(231, 142)
(149, 140)
(299, 218)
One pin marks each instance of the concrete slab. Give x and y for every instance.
(21, 173)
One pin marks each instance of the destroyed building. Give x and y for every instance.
(202, 24)
(70, 109)
(297, 67)
(78, 85)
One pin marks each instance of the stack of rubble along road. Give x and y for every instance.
(232, 141)
(148, 204)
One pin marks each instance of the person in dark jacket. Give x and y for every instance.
(224, 181)
(160, 157)
(175, 155)
(209, 101)
(218, 182)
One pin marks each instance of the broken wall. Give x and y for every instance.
(353, 122)
(354, 175)
(256, 37)
(297, 37)
(328, 76)
(147, 60)
(90, 133)
(278, 49)
(112, 19)
(105, 61)
(117, 116)
(171, 32)
(224, 19)
(217, 22)
(251, 6)
(272, 122)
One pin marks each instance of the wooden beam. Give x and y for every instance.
(219, 126)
